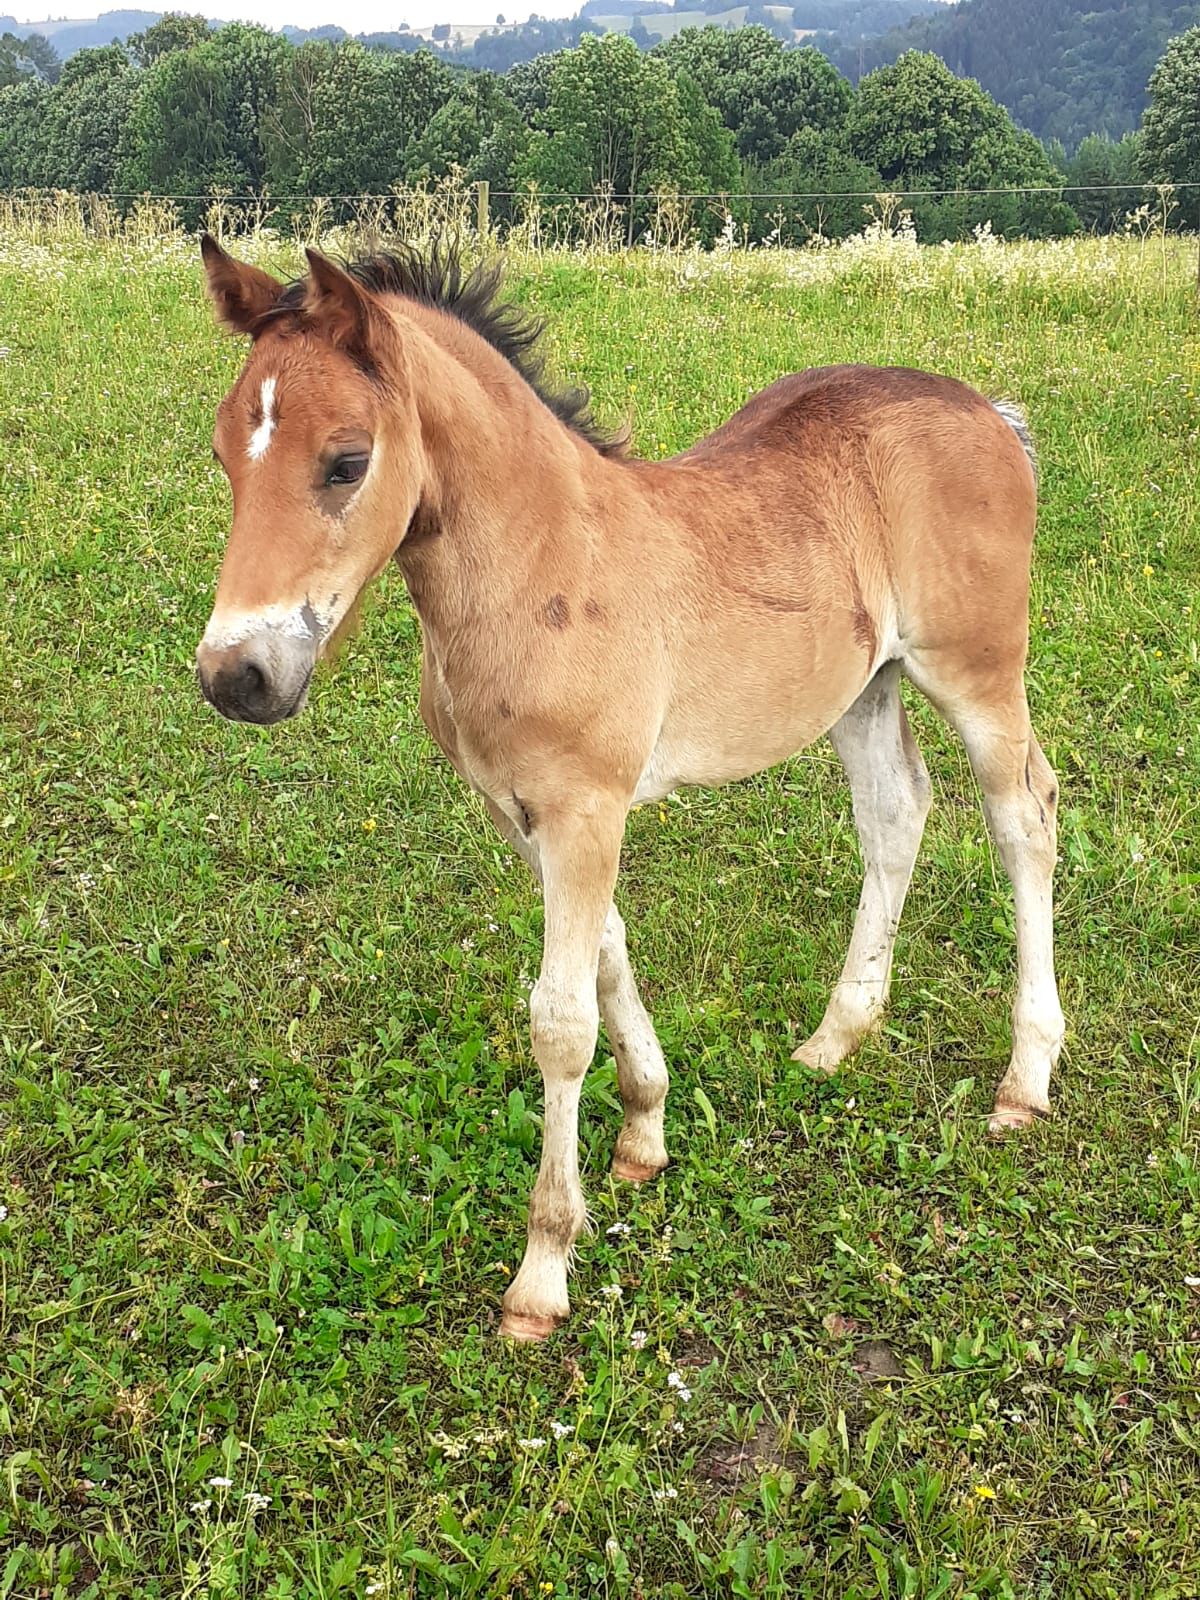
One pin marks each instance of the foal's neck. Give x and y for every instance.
(504, 503)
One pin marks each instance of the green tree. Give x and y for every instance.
(1171, 128)
(924, 128)
(345, 120)
(477, 129)
(716, 159)
(82, 128)
(291, 124)
(1098, 163)
(615, 117)
(198, 115)
(763, 93)
(34, 57)
(528, 85)
(175, 31)
(1064, 68)
(827, 189)
(22, 107)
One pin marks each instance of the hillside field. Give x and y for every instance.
(666, 24)
(663, 24)
(268, 1114)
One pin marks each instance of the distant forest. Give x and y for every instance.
(791, 143)
(1065, 69)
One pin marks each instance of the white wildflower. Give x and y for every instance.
(675, 1381)
(638, 1338)
(618, 1230)
(669, 1493)
(532, 1444)
(612, 1291)
(561, 1430)
(220, 1483)
(453, 1449)
(201, 1507)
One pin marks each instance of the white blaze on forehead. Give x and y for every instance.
(261, 437)
(305, 621)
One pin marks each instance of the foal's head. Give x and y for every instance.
(321, 448)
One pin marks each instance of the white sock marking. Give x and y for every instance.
(261, 437)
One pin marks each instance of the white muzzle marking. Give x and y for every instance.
(228, 628)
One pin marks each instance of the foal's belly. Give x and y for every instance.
(749, 685)
(722, 742)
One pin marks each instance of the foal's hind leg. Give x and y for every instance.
(1020, 799)
(890, 789)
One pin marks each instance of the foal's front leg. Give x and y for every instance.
(641, 1153)
(641, 1070)
(579, 851)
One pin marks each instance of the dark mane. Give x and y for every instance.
(437, 279)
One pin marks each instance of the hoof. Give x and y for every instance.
(527, 1329)
(1010, 1119)
(634, 1171)
(818, 1057)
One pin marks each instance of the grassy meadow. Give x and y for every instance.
(268, 1114)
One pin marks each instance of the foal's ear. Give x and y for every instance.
(240, 293)
(346, 313)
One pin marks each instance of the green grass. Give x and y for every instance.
(269, 1118)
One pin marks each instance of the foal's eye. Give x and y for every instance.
(348, 469)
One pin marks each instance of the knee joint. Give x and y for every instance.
(563, 1025)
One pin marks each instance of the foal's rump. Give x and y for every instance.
(958, 496)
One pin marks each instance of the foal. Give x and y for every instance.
(598, 630)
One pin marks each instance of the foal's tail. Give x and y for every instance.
(1015, 416)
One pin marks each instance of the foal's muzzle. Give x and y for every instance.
(262, 679)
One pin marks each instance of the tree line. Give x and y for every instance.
(184, 109)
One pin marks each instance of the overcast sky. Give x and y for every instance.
(356, 16)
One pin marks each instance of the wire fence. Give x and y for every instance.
(729, 196)
(606, 218)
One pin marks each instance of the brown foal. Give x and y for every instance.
(598, 630)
